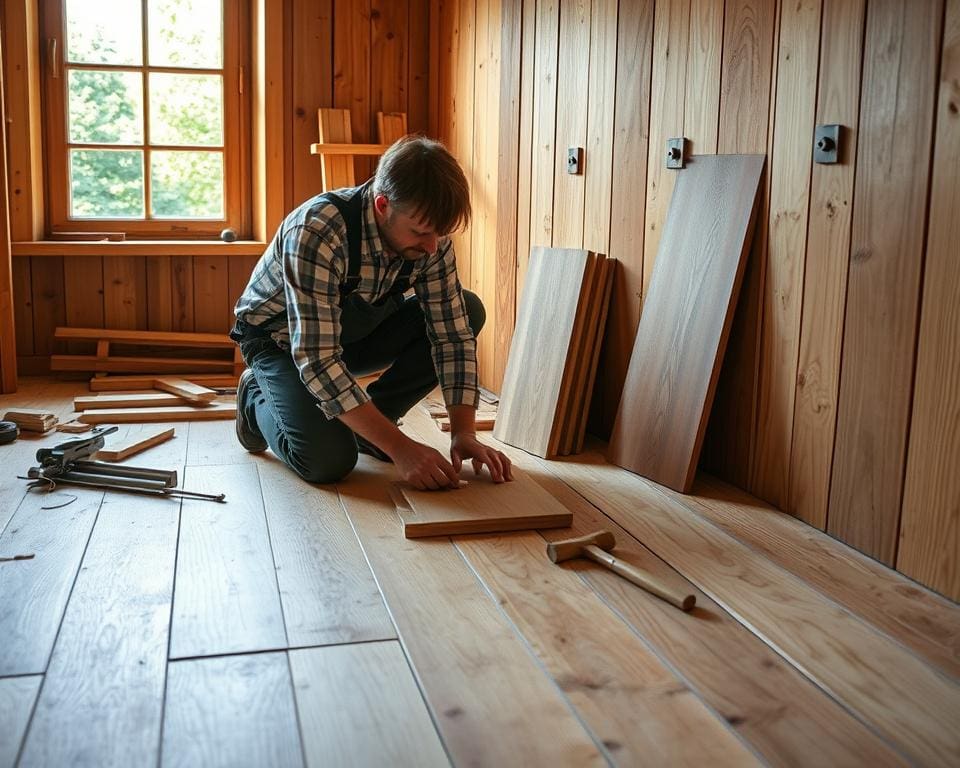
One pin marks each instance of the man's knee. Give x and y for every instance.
(476, 314)
(325, 464)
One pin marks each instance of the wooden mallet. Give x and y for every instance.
(596, 546)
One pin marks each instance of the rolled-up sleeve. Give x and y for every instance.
(313, 266)
(448, 328)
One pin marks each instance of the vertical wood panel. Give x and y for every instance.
(525, 163)
(182, 293)
(159, 293)
(8, 338)
(351, 71)
(124, 292)
(312, 88)
(83, 291)
(930, 528)
(211, 298)
(418, 78)
(23, 304)
(783, 286)
(897, 105)
(825, 283)
(239, 270)
(49, 310)
(389, 59)
(702, 96)
(458, 128)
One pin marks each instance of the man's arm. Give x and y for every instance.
(464, 445)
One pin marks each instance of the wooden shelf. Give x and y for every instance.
(348, 149)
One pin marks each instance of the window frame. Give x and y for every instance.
(236, 135)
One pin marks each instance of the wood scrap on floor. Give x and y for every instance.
(481, 422)
(145, 400)
(32, 419)
(133, 444)
(193, 393)
(121, 383)
(74, 427)
(485, 420)
(174, 413)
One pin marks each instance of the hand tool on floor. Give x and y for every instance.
(597, 546)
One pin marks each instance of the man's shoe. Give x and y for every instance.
(364, 446)
(247, 433)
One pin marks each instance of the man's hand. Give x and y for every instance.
(424, 467)
(466, 446)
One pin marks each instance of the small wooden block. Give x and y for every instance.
(74, 426)
(87, 403)
(148, 415)
(193, 393)
(482, 423)
(123, 449)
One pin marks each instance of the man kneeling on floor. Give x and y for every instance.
(326, 303)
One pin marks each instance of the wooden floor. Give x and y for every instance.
(295, 625)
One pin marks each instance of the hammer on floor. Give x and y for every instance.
(596, 546)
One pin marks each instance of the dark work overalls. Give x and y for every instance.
(323, 450)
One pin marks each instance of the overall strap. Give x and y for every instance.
(351, 209)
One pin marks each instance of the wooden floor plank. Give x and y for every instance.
(889, 688)
(226, 597)
(212, 443)
(327, 590)
(491, 702)
(359, 705)
(788, 720)
(230, 711)
(33, 593)
(17, 695)
(101, 702)
(919, 618)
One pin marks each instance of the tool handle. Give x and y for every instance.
(684, 602)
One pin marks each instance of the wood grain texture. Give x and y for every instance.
(124, 292)
(327, 590)
(360, 705)
(23, 304)
(138, 400)
(525, 108)
(607, 280)
(216, 411)
(482, 506)
(532, 384)
(389, 56)
(227, 599)
(102, 696)
(825, 271)
(8, 340)
(189, 391)
(418, 77)
(236, 710)
(701, 98)
(83, 291)
(152, 338)
(687, 315)
(880, 325)
(17, 696)
(485, 692)
(126, 383)
(929, 532)
(182, 293)
(211, 295)
(159, 294)
(48, 303)
(352, 72)
(133, 443)
(312, 86)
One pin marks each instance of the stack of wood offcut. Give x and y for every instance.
(485, 419)
(553, 359)
(179, 400)
(31, 419)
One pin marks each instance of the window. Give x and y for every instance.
(145, 117)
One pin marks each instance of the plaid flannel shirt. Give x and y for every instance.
(294, 294)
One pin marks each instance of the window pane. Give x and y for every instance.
(186, 109)
(104, 33)
(106, 183)
(105, 107)
(187, 185)
(185, 33)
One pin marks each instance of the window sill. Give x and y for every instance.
(138, 248)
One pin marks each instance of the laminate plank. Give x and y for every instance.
(227, 599)
(148, 338)
(34, 593)
(485, 692)
(360, 705)
(601, 102)
(929, 546)
(327, 590)
(898, 98)
(102, 697)
(126, 383)
(17, 696)
(236, 710)
(686, 319)
(825, 271)
(214, 443)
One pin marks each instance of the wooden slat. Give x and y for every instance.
(211, 295)
(360, 705)
(189, 391)
(312, 84)
(8, 340)
(145, 400)
(117, 383)
(485, 692)
(17, 696)
(151, 338)
(83, 291)
(389, 55)
(351, 73)
(48, 302)
(23, 304)
(929, 550)
(239, 272)
(182, 293)
(36, 591)
(607, 279)
(159, 294)
(237, 710)
(152, 365)
(525, 149)
(125, 291)
(133, 444)
(683, 330)
(227, 599)
(880, 325)
(825, 273)
(346, 148)
(159, 414)
(337, 167)
(391, 126)
(422, 16)
(328, 593)
(702, 88)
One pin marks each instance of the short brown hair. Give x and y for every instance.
(420, 176)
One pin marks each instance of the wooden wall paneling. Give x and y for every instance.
(929, 545)
(746, 126)
(17, 695)
(312, 87)
(627, 208)
(671, 28)
(23, 304)
(351, 72)
(239, 270)
(182, 293)
(438, 54)
(159, 293)
(48, 305)
(528, 44)
(898, 98)
(791, 158)
(83, 291)
(825, 279)
(8, 338)
(124, 292)
(573, 85)
(269, 160)
(459, 123)
(212, 304)
(701, 106)
(389, 57)
(418, 57)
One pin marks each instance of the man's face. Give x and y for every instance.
(403, 234)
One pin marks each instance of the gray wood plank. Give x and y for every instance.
(231, 711)
(226, 598)
(17, 695)
(359, 705)
(214, 442)
(102, 697)
(327, 590)
(33, 593)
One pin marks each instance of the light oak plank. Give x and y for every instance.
(236, 710)
(122, 383)
(194, 393)
(160, 414)
(227, 599)
(215, 442)
(701, 99)
(134, 443)
(144, 400)
(360, 705)
(17, 695)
